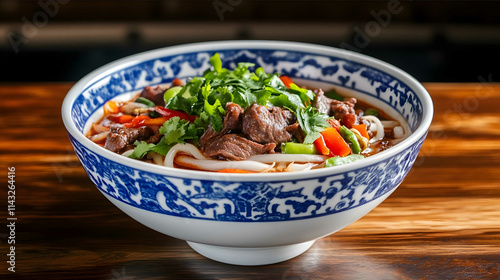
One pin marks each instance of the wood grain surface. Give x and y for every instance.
(443, 222)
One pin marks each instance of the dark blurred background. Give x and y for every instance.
(62, 40)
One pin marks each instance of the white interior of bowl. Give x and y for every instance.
(95, 77)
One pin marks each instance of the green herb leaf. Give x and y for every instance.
(371, 112)
(141, 149)
(312, 123)
(305, 95)
(216, 62)
(175, 131)
(334, 95)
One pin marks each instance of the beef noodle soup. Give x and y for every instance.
(244, 121)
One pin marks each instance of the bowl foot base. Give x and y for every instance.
(250, 256)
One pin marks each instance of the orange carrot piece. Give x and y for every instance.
(335, 143)
(362, 130)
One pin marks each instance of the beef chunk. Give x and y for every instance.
(231, 123)
(205, 138)
(228, 143)
(321, 102)
(234, 147)
(267, 125)
(119, 137)
(341, 110)
(155, 139)
(154, 94)
(232, 119)
(296, 131)
(344, 111)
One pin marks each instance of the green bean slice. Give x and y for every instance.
(298, 148)
(336, 161)
(348, 135)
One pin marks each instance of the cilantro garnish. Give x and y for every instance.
(206, 97)
(174, 130)
(141, 149)
(311, 122)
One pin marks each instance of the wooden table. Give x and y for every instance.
(443, 222)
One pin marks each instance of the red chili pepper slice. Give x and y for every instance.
(173, 113)
(137, 121)
(121, 118)
(286, 80)
(321, 146)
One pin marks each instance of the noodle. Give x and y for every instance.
(363, 141)
(299, 167)
(389, 124)
(380, 128)
(127, 153)
(268, 158)
(398, 132)
(216, 165)
(157, 158)
(186, 148)
(99, 137)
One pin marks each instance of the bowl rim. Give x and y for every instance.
(83, 83)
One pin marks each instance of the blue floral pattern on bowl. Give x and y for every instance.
(245, 201)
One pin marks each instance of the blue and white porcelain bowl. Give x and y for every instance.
(250, 219)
